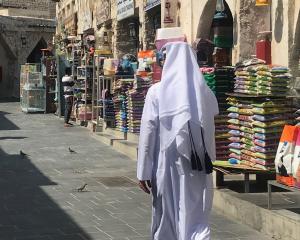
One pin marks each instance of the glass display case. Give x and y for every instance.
(32, 89)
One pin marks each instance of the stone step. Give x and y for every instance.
(115, 133)
(278, 224)
(92, 126)
(103, 137)
(129, 148)
(133, 137)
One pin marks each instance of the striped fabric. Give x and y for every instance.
(68, 84)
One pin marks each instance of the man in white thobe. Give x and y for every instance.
(176, 108)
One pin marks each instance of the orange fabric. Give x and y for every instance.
(289, 134)
(289, 181)
(146, 54)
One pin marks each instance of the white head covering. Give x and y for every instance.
(184, 96)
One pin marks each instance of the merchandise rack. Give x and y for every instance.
(49, 71)
(98, 85)
(83, 86)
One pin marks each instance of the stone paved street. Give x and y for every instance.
(39, 201)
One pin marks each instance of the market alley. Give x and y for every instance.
(39, 197)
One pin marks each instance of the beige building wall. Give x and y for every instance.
(280, 35)
(195, 18)
(65, 14)
(28, 8)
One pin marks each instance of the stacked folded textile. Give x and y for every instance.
(255, 126)
(209, 76)
(246, 76)
(224, 77)
(221, 135)
(107, 105)
(273, 81)
(220, 81)
(253, 77)
(121, 86)
(136, 101)
(135, 110)
(142, 84)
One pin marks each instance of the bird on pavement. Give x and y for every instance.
(23, 154)
(82, 188)
(71, 150)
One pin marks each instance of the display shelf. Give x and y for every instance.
(98, 85)
(49, 71)
(84, 80)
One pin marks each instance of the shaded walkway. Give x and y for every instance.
(39, 201)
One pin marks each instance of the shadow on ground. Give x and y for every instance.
(9, 99)
(26, 211)
(5, 123)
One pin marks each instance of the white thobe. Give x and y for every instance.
(182, 197)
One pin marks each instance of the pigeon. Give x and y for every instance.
(71, 150)
(81, 188)
(23, 154)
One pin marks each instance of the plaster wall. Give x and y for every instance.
(280, 35)
(195, 19)
(29, 8)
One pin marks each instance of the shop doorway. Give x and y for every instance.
(215, 39)
(36, 54)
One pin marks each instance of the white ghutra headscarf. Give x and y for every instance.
(184, 96)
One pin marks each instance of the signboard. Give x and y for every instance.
(125, 9)
(102, 11)
(86, 20)
(151, 4)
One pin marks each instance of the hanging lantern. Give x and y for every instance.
(220, 10)
(262, 3)
(220, 7)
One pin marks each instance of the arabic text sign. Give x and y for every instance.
(125, 9)
(151, 4)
